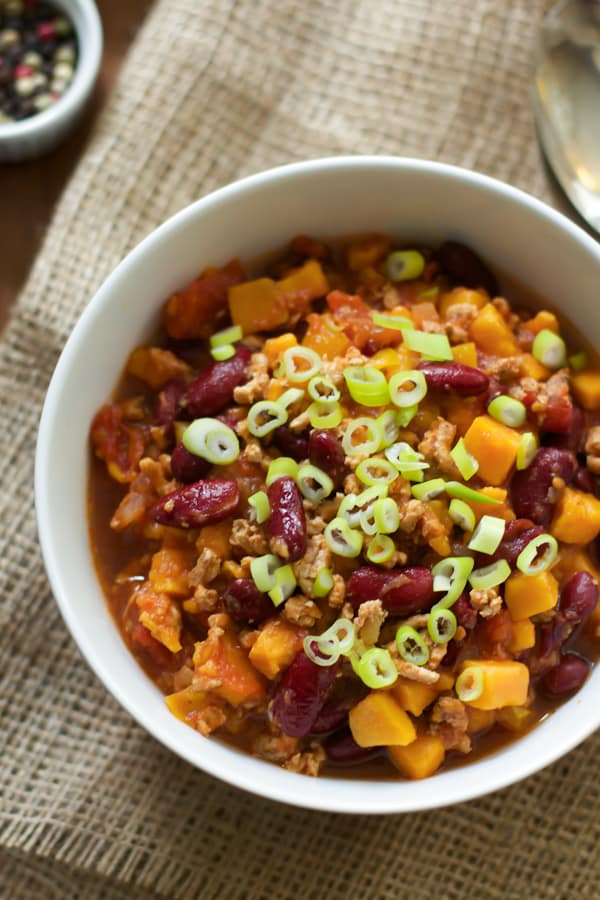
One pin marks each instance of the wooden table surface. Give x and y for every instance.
(30, 190)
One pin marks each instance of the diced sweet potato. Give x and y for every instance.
(424, 311)
(324, 337)
(542, 319)
(466, 354)
(384, 359)
(480, 719)
(459, 295)
(516, 718)
(216, 538)
(413, 696)
(302, 285)
(492, 334)
(573, 559)
(522, 636)
(169, 571)
(257, 306)
(586, 388)
(531, 368)
(380, 721)
(221, 658)
(445, 682)
(528, 595)
(576, 517)
(183, 702)
(494, 446)
(276, 646)
(421, 758)
(156, 366)
(275, 346)
(500, 510)
(367, 252)
(505, 683)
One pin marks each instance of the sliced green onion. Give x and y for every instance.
(462, 514)
(222, 352)
(323, 583)
(367, 385)
(469, 684)
(538, 555)
(412, 397)
(441, 625)
(488, 534)
(343, 540)
(353, 505)
(300, 364)
(396, 323)
(265, 416)
(213, 440)
(283, 465)
(369, 444)
(456, 489)
(376, 470)
(320, 650)
(227, 336)
(549, 349)
(314, 484)
(285, 585)
(324, 415)
(261, 506)
(405, 416)
(376, 668)
(451, 575)
(490, 576)
(323, 390)
(381, 549)
(411, 646)
(386, 515)
(389, 427)
(429, 489)
(289, 397)
(466, 464)
(507, 410)
(405, 458)
(431, 346)
(528, 447)
(262, 569)
(578, 361)
(404, 265)
(344, 633)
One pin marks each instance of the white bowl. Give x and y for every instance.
(331, 197)
(40, 133)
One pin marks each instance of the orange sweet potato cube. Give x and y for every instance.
(528, 595)
(492, 334)
(586, 387)
(413, 696)
(466, 354)
(257, 306)
(169, 571)
(421, 758)
(480, 719)
(380, 721)
(522, 636)
(576, 517)
(183, 702)
(276, 646)
(494, 446)
(505, 683)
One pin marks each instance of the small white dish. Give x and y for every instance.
(42, 132)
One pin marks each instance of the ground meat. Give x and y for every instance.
(504, 368)
(258, 379)
(418, 517)
(398, 558)
(254, 453)
(158, 472)
(458, 321)
(315, 525)
(592, 449)
(409, 670)
(249, 537)
(368, 622)
(450, 720)
(436, 445)
(317, 557)
(351, 483)
(300, 422)
(488, 603)
(206, 569)
(436, 651)
(207, 719)
(206, 676)
(277, 748)
(204, 600)
(336, 596)
(301, 611)
(307, 763)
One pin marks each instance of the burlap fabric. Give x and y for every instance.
(91, 806)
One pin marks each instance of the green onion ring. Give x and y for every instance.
(411, 646)
(412, 397)
(380, 549)
(265, 416)
(528, 447)
(376, 668)
(549, 349)
(230, 335)
(538, 555)
(300, 364)
(314, 484)
(488, 535)
(461, 514)
(213, 440)
(441, 625)
(429, 489)
(389, 427)
(386, 515)
(285, 585)
(507, 410)
(324, 415)
(451, 575)
(456, 489)
(376, 470)
(490, 576)
(323, 583)
(404, 265)
(262, 569)
(367, 385)
(469, 684)
(261, 506)
(343, 540)
(280, 467)
(222, 352)
(323, 390)
(370, 444)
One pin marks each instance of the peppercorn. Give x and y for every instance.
(38, 57)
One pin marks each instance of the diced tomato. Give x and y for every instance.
(121, 446)
(354, 315)
(195, 312)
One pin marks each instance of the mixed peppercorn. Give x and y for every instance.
(362, 531)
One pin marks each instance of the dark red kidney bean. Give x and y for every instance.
(245, 603)
(566, 677)
(578, 597)
(452, 651)
(197, 504)
(402, 591)
(583, 481)
(213, 388)
(517, 534)
(465, 614)
(466, 268)
(332, 716)
(342, 748)
(564, 422)
(327, 453)
(286, 525)
(186, 466)
(291, 443)
(530, 488)
(301, 694)
(167, 402)
(553, 635)
(455, 378)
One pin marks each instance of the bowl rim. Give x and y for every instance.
(90, 41)
(245, 771)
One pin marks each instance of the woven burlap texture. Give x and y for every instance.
(90, 805)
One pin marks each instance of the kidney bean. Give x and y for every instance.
(530, 489)
(197, 504)
(342, 748)
(332, 716)
(402, 591)
(245, 603)
(452, 650)
(186, 466)
(465, 614)
(301, 694)
(578, 597)
(213, 388)
(291, 443)
(167, 402)
(567, 676)
(517, 534)
(552, 636)
(455, 377)
(286, 525)
(560, 418)
(327, 453)
(466, 268)
(583, 481)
